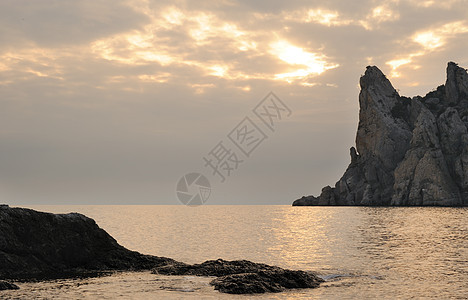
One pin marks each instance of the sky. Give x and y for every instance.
(114, 102)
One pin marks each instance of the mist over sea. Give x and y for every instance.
(362, 252)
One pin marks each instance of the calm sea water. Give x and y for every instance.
(363, 253)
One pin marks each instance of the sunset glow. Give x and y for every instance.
(149, 84)
(296, 56)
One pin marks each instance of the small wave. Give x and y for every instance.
(331, 277)
(178, 289)
(335, 277)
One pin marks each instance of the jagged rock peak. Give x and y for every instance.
(373, 76)
(456, 84)
(409, 151)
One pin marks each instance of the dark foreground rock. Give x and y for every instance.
(38, 245)
(5, 285)
(43, 245)
(244, 277)
(265, 281)
(217, 268)
(409, 152)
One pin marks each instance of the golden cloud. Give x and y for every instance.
(313, 63)
(430, 40)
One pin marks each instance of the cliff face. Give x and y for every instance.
(408, 151)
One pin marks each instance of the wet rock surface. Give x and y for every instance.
(217, 267)
(409, 152)
(244, 277)
(5, 285)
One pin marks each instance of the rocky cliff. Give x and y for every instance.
(409, 152)
(40, 245)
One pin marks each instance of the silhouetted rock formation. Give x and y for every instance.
(409, 152)
(244, 277)
(38, 245)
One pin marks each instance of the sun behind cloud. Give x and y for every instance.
(313, 63)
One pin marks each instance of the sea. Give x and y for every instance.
(361, 252)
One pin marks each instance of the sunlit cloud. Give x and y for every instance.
(395, 64)
(329, 18)
(437, 37)
(4, 67)
(201, 88)
(430, 40)
(310, 84)
(319, 16)
(247, 45)
(447, 4)
(140, 40)
(314, 84)
(135, 48)
(246, 88)
(204, 27)
(218, 70)
(159, 78)
(173, 16)
(201, 28)
(152, 48)
(325, 17)
(40, 63)
(380, 14)
(384, 13)
(37, 73)
(314, 64)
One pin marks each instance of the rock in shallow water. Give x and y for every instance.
(265, 281)
(5, 285)
(219, 267)
(244, 277)
(246, 283)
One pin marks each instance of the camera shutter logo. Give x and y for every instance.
(193, 189)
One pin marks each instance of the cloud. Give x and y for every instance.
(380, 14)
(438, 36)
(201, 33)
(295, 56)
(53, 23)
(448, 4)
(319, 16)
(429, 39)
